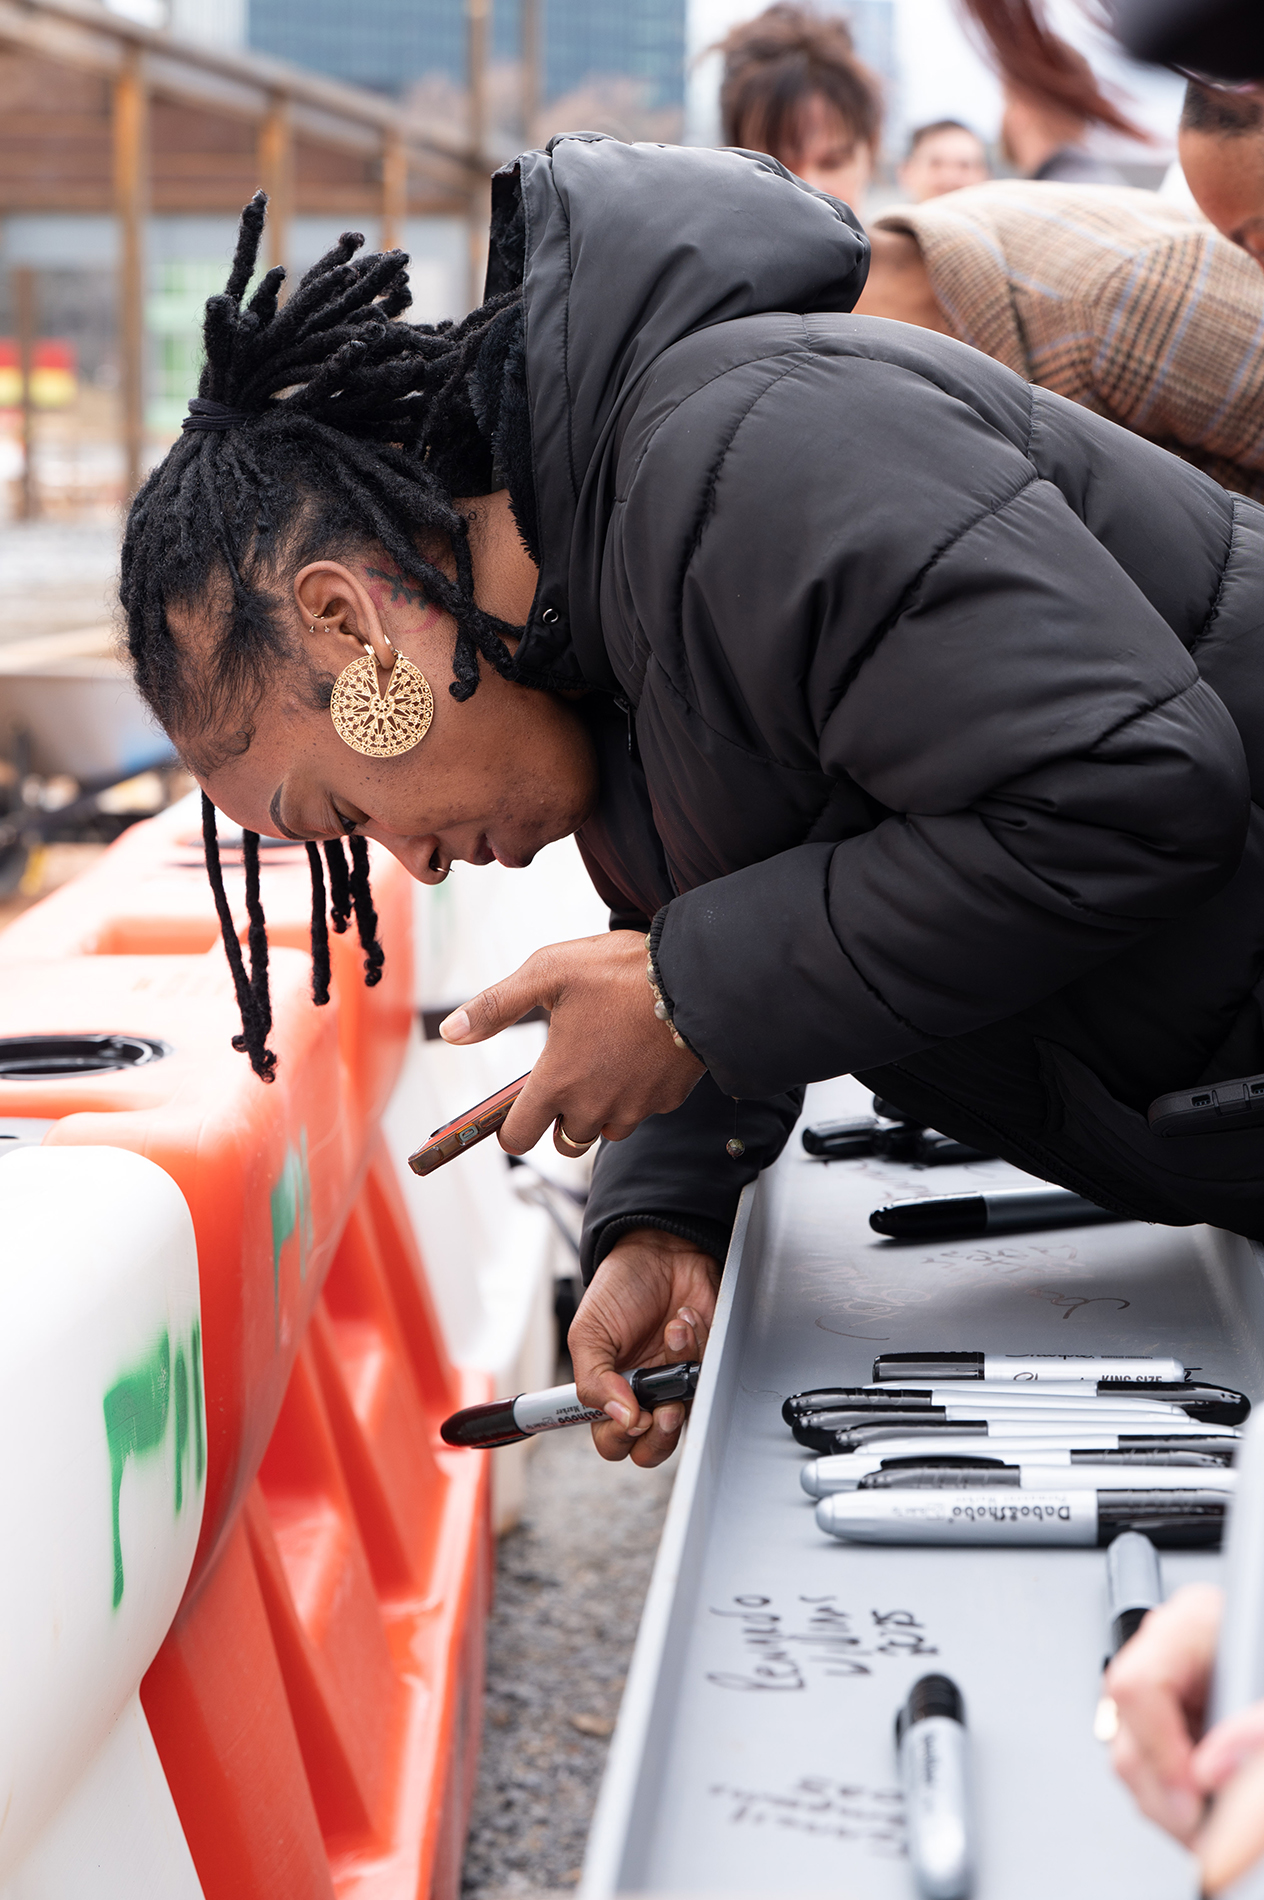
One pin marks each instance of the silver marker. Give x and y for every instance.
(930, 1736)
(1171, 1519)
(843, 1471)
(907, 1475)
(1134, 1585)
(986, 1432)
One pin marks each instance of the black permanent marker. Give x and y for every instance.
(930, 1737)
(971, 1216)
(910, 1368)
(821, 1477)
(818, 1430)
(1134, 1586)
(1174, 1519)
(1218, 1405)
(850, 1140)
(505, 1421)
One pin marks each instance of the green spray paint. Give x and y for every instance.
(199, 1438)
(182, 1425)
(138, 1409)
(135, 1423)
(307, 1237)
(291, 1208)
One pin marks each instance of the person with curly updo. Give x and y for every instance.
(905, 714)
(794, 87)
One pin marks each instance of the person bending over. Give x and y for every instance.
(942, 157)
(906, 715)
(1115, 298)
(793, 86)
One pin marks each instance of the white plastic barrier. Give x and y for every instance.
(491, 1259)
(101, 1492)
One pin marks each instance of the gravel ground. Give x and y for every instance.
(570, 1582)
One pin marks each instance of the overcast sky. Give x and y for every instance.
(940, 74)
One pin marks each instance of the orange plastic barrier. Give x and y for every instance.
(149, 895)
(316, 1704)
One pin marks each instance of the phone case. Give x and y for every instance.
(1215, 1107)
(467, 1130)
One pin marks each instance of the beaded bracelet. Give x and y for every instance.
(661, 1009)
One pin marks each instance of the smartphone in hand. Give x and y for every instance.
(474, 1126)
(1215, 1106)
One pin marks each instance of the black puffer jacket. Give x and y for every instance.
(930, 706)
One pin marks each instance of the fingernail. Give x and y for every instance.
(670, 1418)
(689, 1316)
(619, 1413)
(677, 1336)
(455, 1027)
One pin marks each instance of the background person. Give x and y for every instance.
(1114, 298)
(792, 86)
(1052, 100)
(1044, 138)
(943, 157)
(1221, 146)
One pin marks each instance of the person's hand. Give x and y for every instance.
(608, 1062)
(650, 1303)
(1159, 1683)
(1229, 1764)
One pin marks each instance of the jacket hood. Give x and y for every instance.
(629, 248)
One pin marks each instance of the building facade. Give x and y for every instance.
(389, 45)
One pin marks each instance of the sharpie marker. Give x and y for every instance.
(971, 1216)
(930, 1738)
(908, 1475)
(1134, 1587)
(857, 1437)
(821, 1477)
(1009, 1367)
(1218, 1404)
(818, 1431)
(1174, 1519)
(505, 1421)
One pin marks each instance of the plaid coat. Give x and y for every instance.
(1115, 298)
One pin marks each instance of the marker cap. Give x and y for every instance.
(932, 1695)
(483, 1427)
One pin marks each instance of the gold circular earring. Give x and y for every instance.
(381, 725)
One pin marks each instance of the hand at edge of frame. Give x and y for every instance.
(1159, 1683)
(651, 1303)
(1208, 1793)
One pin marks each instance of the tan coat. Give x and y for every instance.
(1115, 298)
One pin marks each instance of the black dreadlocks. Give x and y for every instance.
(324, 424)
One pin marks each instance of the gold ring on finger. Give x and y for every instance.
(564, 1142)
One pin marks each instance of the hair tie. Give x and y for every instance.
(206, 414)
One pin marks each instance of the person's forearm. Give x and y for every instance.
(676, 1174)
